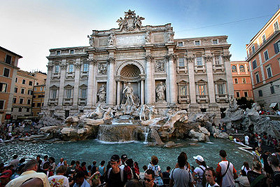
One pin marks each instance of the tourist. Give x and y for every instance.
(274, 164)
(226, 173)
(187, 166)
(93, 167)
(245, 168)
(61, 162)
(165, 176)
(134, 170)
(133, 183)
(180, 176)
(125, 167)
(153, 165)
(5, 176)
(30, 169)
(52, 163)
(71, 169)
(210, 175)
(59, 180)
(199, 171)
(116, 177)
(256, 177)
(94, 179)
(77, 167)
(44, 161)
(80, 180)
(149, 178)
(15, 161)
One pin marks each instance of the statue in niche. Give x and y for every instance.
(160, 92)
(111, 39)
(148, 37)
(159, 66)
(91, 40)
(101, 93)
(128, 92)
(102, 69)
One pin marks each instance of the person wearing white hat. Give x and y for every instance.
(199, 171)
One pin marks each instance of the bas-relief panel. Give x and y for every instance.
(130, 40)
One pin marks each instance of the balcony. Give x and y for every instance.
(199, 69)
(84, 74)
(68, 101)
(218, 67)
(56, 76)
(70, 75)
(202, 98)
(83, 101)
(222, 98)
(53, 102)
(184, 99)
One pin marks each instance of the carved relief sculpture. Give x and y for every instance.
(130, 21)
(160, 92)
(111, 39)
(148, 37)
(159, 66)
(102, 68)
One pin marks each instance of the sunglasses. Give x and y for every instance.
(149, 180)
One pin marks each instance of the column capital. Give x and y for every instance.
(111, 60)
(78, 66)
(63, 66)
(149, 57)
(208, 58)
(226, 57)
(190, 59)
(171, 56)
(91, 61)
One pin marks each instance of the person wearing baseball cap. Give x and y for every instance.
(199, 171)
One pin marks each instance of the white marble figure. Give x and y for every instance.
(160, 92)
(111, 39)
(101, 93)
(128, 91)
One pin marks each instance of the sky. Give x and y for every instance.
(31, 27)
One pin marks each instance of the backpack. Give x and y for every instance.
(109, 171)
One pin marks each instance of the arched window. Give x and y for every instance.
(233, 69)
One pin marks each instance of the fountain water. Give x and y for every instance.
(146, 133)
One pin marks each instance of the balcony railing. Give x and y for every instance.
(184, 99)
(82, 101)
(202, 98)
(198, 68)
(220, 98)
(68, 101)
(218, 67)
(53, 102)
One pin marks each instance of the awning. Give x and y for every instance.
(272, 105)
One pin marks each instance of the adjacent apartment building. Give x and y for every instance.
(241, 77)
(8, 72)
(188, 73)
(263, 55)
(38, 93)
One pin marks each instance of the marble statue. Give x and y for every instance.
(111, 39)
(160, 92)
(128, 91)
(101, 93)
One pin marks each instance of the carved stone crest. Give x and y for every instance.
(130, 22)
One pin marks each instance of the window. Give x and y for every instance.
(253, 49)
(35, 89)
(199, 61)
(33, 104)
(14, 100)
(85, 68)
(266, 55)
(71, 51)
(245, 94)
(20, 101)
(257, 77)
(237, 94)
(41, 88)
(272, 91)
(20, 109)
(6, 72)
(180, 44)
(38, 104)
(30, 83)
(202, 90)
(30, 92)
(181, 62)
(276, 26)
(68, 93)
(23, 81)
(260, 93)
(215, 41)
(221, 89)
(16, 89)
(236, 81)
(58, 52)
(84, 93)
(217, 60)
(244, 80)
(22, 91)
(8, 59)
(263, 38)
(56, 68)
(233, 69)
(1, 104)
(16, 79)
(241, 68)
(28, 101)
(197, 42)
(27, 110)
(183, 90)
(71, 68)
(3, 87)
(254, 64)
(268, 71)
(277, 47)
(53, 94)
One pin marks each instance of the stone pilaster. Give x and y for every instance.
(149, 90)
(191, 80)
(110, 96)
(210, 78)
(63, 67)
(76, 85)
(226, 59)
(171, 75)
(48, 82)
(90, 80)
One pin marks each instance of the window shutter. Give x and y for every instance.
(276, 48)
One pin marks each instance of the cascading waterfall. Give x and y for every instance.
(146, 133)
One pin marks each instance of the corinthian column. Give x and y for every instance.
(48, 82)
(110, 96)
(171, 79)
(76, 85)
(210, 79)
(62, 83)
(191, 80)
(226, 59)
(149, 90)
(90, 80)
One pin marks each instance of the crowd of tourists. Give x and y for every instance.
(124, 171)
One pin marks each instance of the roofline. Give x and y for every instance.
(11, 52)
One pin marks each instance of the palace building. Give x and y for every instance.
(133, 65)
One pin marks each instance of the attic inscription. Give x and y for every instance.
(130, 40)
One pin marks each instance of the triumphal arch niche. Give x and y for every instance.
(133, 65)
